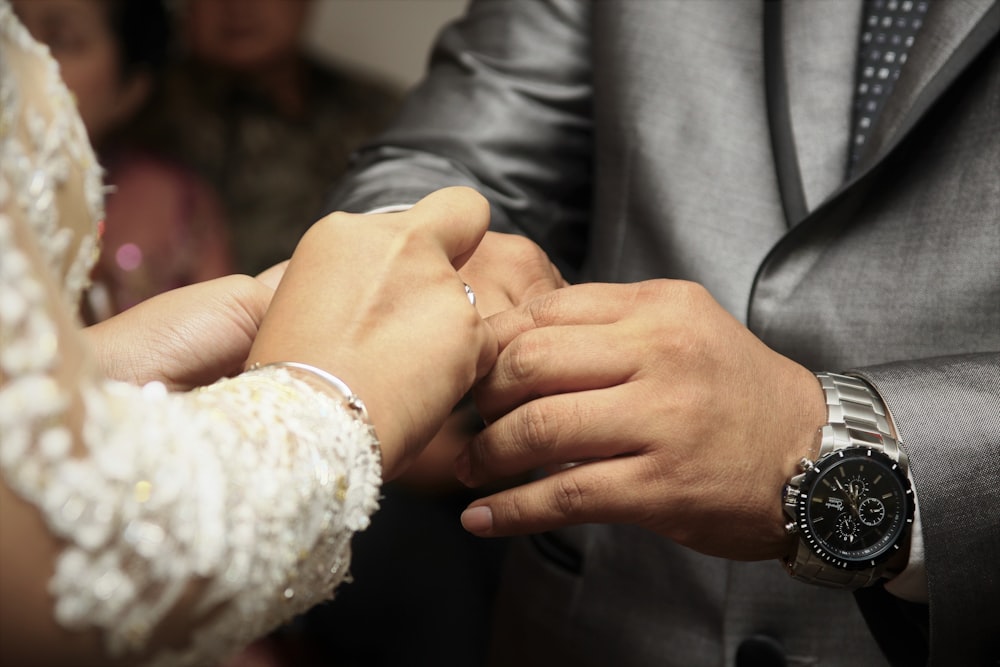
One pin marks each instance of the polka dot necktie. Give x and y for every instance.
(888, 30)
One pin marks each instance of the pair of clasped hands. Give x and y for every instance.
(685, 422)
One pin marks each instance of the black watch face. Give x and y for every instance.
(854, 506)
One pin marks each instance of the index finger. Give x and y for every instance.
(586, 303)
(587, 493)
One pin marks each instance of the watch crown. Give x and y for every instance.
(791, 528)
(806, 464)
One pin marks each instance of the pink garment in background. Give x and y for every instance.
(164, 228)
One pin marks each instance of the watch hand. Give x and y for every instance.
(851, 500)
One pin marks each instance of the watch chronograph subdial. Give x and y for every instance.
(857, 486)
(847, 527)
(871, 511)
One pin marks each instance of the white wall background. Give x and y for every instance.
(389, 39)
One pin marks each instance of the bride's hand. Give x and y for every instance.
(185, 338)
(377, 301)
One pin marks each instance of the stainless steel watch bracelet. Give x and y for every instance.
(856, 416)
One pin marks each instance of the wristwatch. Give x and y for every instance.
(853, 506)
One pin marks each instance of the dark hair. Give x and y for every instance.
(142, 32)
(142, 29)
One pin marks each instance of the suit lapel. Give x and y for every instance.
(810, 57)
(939, 57)
(821, 44)
(779, 120)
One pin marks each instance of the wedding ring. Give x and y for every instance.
(469, 293)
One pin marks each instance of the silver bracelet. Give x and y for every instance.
(328, 381)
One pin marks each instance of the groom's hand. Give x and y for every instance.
(651, 405)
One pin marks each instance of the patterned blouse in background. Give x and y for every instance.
(272, 168)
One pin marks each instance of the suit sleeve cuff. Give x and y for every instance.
(391, 208)
(911, 583)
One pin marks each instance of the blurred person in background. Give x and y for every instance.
(269, 125)
(164, 227)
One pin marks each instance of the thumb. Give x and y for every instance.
(457, 218)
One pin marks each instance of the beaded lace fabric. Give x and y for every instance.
(242, 495)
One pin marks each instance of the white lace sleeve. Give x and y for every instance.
(232, 506)
(249, 489)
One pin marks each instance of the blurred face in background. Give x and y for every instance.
(244, 34)
(79, 35)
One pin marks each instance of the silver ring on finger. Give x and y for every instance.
(469, 293)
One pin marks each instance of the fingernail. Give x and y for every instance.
(478, 520)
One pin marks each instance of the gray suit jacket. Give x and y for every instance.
(707, 140)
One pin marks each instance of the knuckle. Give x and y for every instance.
(542, 277)
(517, 245)
(677, 291)
(330, 224)
(241, 285)
(569, 496)
(652, 290)
(531, 253)
(509, 510)
(520, 361)
(544, 310)
(683, 345)
(410, 240)
(333, 219)
(537, 430)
